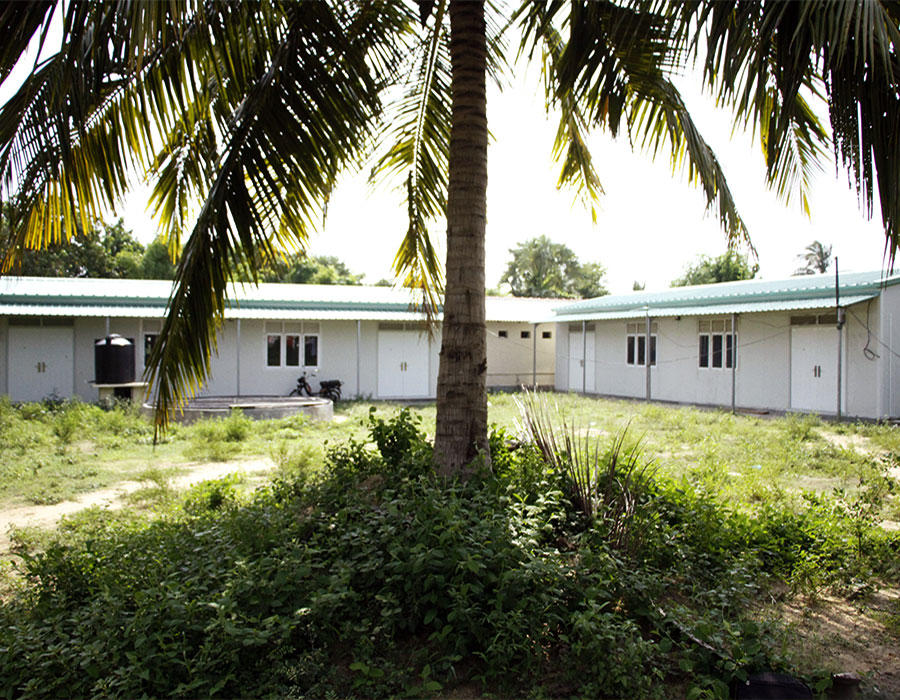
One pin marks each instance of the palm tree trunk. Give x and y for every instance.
(461, 430)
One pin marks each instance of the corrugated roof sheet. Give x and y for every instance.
(711, 310)
(31, 296)
(148, 299)
(788, 290)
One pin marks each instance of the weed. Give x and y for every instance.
(604, 484)
(802, 426)
(218, 439)
(212, 495)
(157, 486)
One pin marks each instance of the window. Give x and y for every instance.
(149, 342)
(636, 344)
(310, 351)
(546, 335)
(525, 334)
(502, 334)
(292, 344)
(149, 335)
(827, 319)
(716, 349)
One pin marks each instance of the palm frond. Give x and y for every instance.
(306, 115)
(569, 145)
(761, 57)
(21, 22)
(73, 136)
(419, 134)
(613, 69)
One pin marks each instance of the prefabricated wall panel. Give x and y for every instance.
(870, 386)
(514, 350)
(239, 367)
(4, 357)
(884, 323)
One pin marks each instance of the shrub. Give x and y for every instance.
(212, 495)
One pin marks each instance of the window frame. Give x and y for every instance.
(636, 344)
(286, 344)
(713, 331)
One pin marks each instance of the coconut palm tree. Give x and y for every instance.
(817, 259)
(242, 115)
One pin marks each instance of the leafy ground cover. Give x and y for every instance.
(647, 572)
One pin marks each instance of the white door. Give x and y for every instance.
(40, 361)
(814, 356)
(578, 378)
(402, 364)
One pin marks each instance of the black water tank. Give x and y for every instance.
(114, 360)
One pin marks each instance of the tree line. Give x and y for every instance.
(111, 251)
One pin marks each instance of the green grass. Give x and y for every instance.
(743, 458)
(51, 453)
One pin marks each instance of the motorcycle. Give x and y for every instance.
(328, 388)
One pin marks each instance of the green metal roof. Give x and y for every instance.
(805, 292)
(34, 296)
(713, 309)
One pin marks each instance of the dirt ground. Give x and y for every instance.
(857, 636)
(114, 496)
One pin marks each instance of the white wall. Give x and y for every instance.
(884, 340)
(511, 360)
(864, 392)
(337, 360)
(4, 350)
(890, 335)
(561, 366)
(762, 378)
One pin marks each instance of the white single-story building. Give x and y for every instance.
(367, 337)
(756, 344)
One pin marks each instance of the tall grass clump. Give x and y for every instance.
(605, 481)
(218, 439)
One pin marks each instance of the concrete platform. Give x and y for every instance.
(256, 407)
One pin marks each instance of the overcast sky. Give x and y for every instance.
(651, 223)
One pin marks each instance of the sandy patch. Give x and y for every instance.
(855, 443)
(113, 496)
(850, 636)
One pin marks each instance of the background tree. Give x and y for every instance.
(638, 286)
(106, 250)
(542, 268)
(157, 263)
(817, 259)
(728, 267)
(300, 268)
